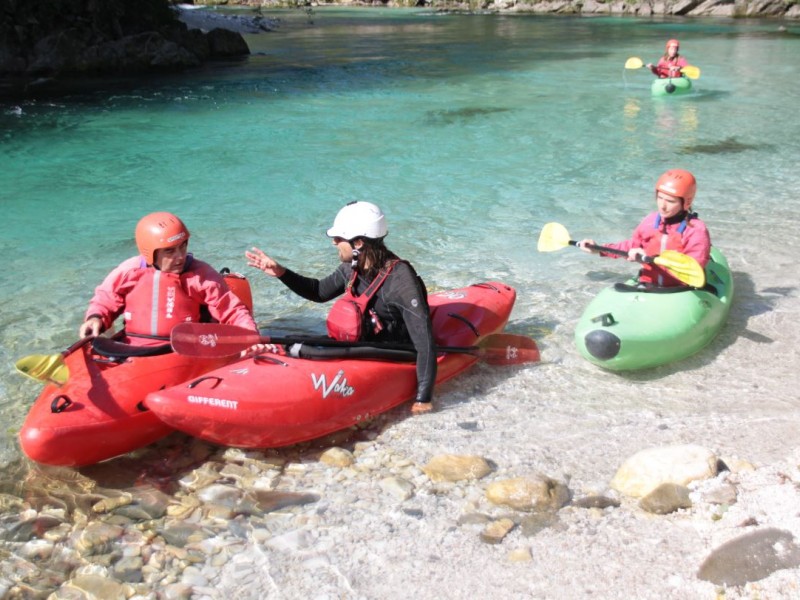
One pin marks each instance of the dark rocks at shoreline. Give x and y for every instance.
(649, 8)
(44, 42)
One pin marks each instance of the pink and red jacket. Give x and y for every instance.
(654, 235)
(669, 67)
(154, 302)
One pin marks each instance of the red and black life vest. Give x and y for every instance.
(351, 315)
(654, 245)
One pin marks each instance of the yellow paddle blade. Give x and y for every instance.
(691, 72)
(554, 236)
(682, 267)
(44, 367)
(634, 63)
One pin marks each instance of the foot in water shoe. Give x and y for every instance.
(419, 408)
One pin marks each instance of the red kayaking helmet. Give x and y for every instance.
(679, 183)
(673, 43)
(159, 230)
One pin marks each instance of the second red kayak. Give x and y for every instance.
(276, 400)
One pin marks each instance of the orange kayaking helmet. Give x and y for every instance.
(159, 230)
(678, 183)
(675, 43)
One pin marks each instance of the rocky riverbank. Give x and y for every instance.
(44, 45)
(362, 519)
(647, 8)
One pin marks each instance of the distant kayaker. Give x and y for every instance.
(383, 297)
(672, 227)
(670, 64)
(162, 287)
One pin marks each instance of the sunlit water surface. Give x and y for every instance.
(471, 132)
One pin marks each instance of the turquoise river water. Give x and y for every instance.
(471, 132)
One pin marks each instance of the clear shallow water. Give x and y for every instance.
(471, 132)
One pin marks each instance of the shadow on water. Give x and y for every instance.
(459, 115)
(729, 145)
(747, 303)
(708, 95)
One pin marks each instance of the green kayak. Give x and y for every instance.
(674, 86)
(627, 327)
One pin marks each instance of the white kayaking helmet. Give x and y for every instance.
(359, 219)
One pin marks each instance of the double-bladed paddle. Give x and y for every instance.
(49, 368)
(555, 236)
(216, 340)
(690, 71)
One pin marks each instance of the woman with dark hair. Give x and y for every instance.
(383, 298)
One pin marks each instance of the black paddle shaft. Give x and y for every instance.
(643, 259)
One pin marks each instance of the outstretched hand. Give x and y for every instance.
(256, 258)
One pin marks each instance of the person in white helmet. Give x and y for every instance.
(383, 298)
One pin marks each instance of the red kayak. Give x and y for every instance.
(276, 400)
(98, 413)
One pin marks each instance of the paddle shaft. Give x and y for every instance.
(218, 340)
(641, 259)
(682, 267)
(689, 71)
(237, 343)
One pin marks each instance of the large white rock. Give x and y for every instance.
(646, 470)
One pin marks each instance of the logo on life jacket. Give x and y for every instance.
(170, 301)
(338, 385)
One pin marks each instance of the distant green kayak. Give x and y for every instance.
(673, 86)
(626, 327)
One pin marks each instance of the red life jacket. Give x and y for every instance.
(348, 316)
(655, 245)
(670, 67)
(157, 303)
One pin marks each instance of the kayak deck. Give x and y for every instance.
(277, 400)
(98, 413)
(672, 86)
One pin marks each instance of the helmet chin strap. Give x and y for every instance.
(354, 261)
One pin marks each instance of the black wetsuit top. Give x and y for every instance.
(401, 303)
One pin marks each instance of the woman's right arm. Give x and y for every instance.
(317, 290)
